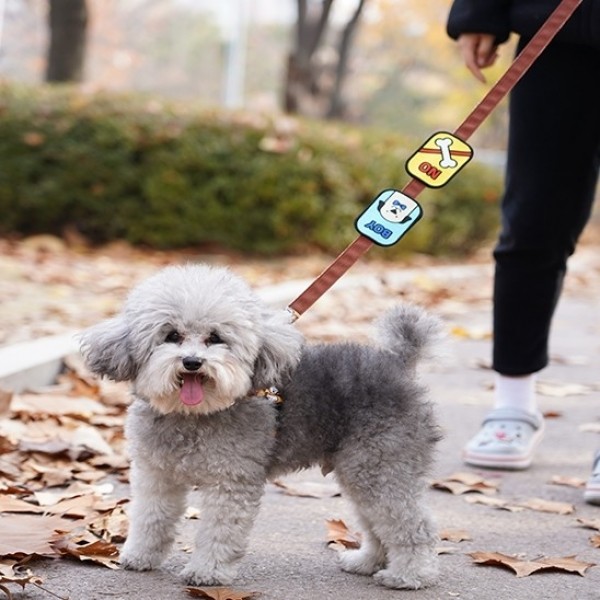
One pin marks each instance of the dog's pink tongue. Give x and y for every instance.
(191, 392)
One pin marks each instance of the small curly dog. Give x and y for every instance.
(203, 355)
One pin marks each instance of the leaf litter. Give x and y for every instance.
(50, 445)
(523, 567)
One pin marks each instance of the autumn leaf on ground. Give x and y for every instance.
(220, 593)
(590, 523)
(86, 547)
(471, 334)
(5, 399)
(339, 536)
(463, 483)
(500, 503)
(561, 390)
(24, 535)
(112, 526)
(57, 405)
(552, 414)
(308, 489)
(538, 504)
(575, 482)
(454, 535)
(12, 571)
(541, 505)
(524, 568)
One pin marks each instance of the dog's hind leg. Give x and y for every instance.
(226, 516)
(389, 495)
(367, 559)
(409, 538)
(156, 506)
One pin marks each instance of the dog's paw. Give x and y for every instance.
(195, 576)
(134, 562)
(391, 579)
(360, 561)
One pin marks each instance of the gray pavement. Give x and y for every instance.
(288, 557)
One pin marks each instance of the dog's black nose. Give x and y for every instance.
(191, 363)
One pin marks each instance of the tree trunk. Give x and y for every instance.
(68, 21)
(337, 106)
(314, 79)
(302, 85)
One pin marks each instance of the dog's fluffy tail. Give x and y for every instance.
(409, 332)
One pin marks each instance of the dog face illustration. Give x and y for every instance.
(397, 208)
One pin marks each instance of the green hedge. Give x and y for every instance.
(168, 176)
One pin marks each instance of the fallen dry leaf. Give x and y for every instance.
(561, 390)
(538, 504)
(595, 541)
(5, 399)
(471, 334)
(13, 571)
(112, 526)
(25, 535)
(575, 482)
(590, 523)
(499, 503)
(463, 483)
(86, 547)
(339, 536)
(454, 535)
(559, 508)
(220, 593)
(524, 568)
(57, 405)
(552, 414)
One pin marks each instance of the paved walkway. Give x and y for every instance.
(288, 559)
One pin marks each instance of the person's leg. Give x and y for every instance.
(552, 169)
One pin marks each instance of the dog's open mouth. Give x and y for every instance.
(191, 392)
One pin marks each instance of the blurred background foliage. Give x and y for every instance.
(175, 132)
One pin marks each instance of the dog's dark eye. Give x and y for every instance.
(173, 337)
(214, 338)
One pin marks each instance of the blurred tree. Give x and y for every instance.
(68, 21)
(317, 68)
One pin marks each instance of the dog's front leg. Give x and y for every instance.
(226, 517)
(156, 506)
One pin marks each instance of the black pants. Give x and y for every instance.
(552, 170)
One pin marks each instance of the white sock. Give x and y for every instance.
(516, 392)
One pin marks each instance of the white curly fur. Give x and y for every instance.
(357, 410)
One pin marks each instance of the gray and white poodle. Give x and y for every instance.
(203, 354)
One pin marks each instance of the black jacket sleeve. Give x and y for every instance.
(480, 16)
(524, 17)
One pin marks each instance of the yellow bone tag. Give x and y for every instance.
(439, 159)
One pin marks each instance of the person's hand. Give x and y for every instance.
(478, 50)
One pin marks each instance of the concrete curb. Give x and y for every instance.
(35, 363)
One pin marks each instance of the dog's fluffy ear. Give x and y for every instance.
(280, 351)
(105, 348)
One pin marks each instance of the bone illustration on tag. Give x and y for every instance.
(439, 159)
(444, 145)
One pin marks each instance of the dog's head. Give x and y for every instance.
(193, 339)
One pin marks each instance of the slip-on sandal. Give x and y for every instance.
(591, 493)
(506, 440)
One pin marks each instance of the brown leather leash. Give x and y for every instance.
(424, 173)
